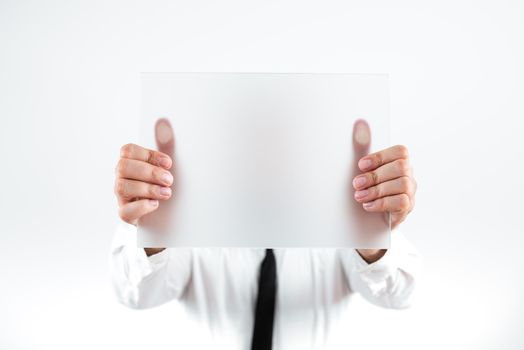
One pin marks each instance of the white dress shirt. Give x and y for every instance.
(219, 285)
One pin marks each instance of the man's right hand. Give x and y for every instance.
(143, 177)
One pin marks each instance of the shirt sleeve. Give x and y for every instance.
(142, 282)
(390, 281)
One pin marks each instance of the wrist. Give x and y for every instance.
(371, 255)
(153, 251)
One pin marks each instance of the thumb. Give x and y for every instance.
(164, 137)
(361, 138)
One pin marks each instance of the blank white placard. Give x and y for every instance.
(264, 159)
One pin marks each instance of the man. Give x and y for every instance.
(234, 290)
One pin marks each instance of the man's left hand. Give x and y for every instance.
(386, 185)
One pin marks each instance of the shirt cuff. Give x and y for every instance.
(375, 275)
(137, 264)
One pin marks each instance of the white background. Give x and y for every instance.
(69, 74)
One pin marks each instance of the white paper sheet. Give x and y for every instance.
(264, 160)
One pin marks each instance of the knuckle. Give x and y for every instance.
(152, 191)
(403, 151)
(155, 173)
(374, 177)
(410, 171)
(403, 166)
(376, 191)
(405, 184)
(127, 150)
(121, 167)
(150, 157)
(404, 202)
(378, 159)
(120, 188)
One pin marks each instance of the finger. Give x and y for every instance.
(164, 136)
(389, 171)
(396, 203)
(377, 159)
(403, 184)
(137, 170)
(130, 189)
(133, 211)
(361, 138)
(132, 151)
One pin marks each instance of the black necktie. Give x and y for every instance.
(265, 308)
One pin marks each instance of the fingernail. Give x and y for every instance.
(164, 162)
(167, 178)
(362, 135)
(164, 132)
(153, 202)
(364, 163)
(361, 194)
(359, 181)
(165, 191)
(368, 205)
